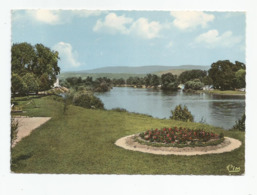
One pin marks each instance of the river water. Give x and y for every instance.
(221, 111)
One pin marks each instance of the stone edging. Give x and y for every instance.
(227, 145)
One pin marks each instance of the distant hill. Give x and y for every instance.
(126, 72)
(143, 69)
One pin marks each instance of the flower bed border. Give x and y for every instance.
(228, 145)
(138, 139)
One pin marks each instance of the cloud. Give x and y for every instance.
(191, 19)
(88, 13)
(113, 24)
(46, 16)
(212, 38)
(145, 29)
(67, 54)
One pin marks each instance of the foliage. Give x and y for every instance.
(18, 85)
(240, 124)
(33, 62)
(152, 80)
(223, 74)
(207, 80)
(22, 59)
(119, 109)
(169, 81)
(177, 136)
(240, 78)
(87, 100)
(31, 82)
(14, 128)
(191, 75)
(195, 84)
(182, 114)
(101, 84)
(90, 134)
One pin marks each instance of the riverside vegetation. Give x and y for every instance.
(81, 141)
(80, 136)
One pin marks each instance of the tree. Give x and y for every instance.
(46, 62)
(192, 74)
(222, 74)
(31, 83)
(18, 85)
(195, 84)
(240, 78)
(23, 56)
(169, 81)
(44, 83)
(37, 60)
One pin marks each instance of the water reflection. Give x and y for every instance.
(220, 111)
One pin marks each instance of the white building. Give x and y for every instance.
(56, 84)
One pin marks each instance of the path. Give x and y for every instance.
(26, 125)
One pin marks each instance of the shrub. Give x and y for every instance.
(14, 127)
(240, 124)
(195, 84)
(119, 109)
(182, 114)
(87, 100)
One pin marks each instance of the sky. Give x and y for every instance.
(89, 39)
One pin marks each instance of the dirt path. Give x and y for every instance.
(228, 145)
(27, 125)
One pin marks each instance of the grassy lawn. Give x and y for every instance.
(226, 92)
(81, 141)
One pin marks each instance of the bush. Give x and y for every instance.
(87, 100)
(119, 109)
(14, 127)
(240, 124)
(182, 114)
(194, 84)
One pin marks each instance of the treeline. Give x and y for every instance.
(34, 68)
(223, 75)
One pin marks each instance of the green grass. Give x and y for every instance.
(226, 92)
(82, 142)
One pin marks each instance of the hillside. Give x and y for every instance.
(126, 72)
(143, 69)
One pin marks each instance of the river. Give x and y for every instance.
(216, 110)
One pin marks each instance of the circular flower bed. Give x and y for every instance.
(179, 137)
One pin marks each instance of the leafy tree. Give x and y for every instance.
(44, 82)
(46, 62)
(31, 82)
(207, 80)
(169, 81)
(223, 75)
(152, 80)
(240, 78)
(192, 74)
(23, 56)
(37, 60)
(182, 114)
(195, 84)
(18, 85)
